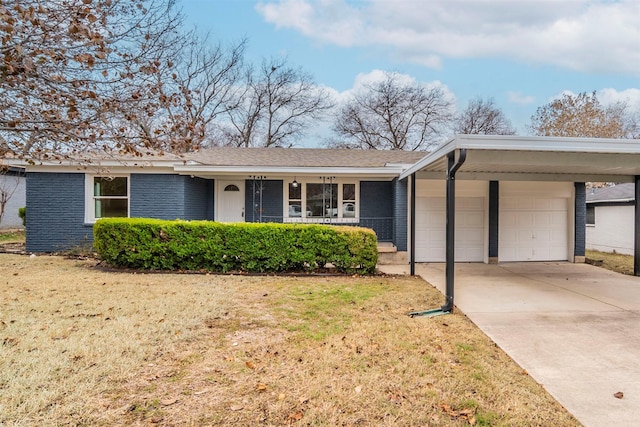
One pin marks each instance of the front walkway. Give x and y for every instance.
(574, 327)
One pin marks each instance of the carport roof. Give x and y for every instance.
(520, 158)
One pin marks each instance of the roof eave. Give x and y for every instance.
(288, 170)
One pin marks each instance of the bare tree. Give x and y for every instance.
(276, 105)
(191, 96)
(483, 117)
(391, 114)
(582, 115)
(73, 73)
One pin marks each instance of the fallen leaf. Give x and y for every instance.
(168, 402)
(618, 395)
(281, 396)
(198, 393)
(236, 407)
(261, 387)
(297, 416)
(359, 389)
(250, 365)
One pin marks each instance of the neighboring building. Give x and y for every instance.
(610, 218)
(517, 198)
(13, 185)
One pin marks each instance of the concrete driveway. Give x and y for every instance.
(574, 327)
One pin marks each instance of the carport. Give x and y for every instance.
(513, 159)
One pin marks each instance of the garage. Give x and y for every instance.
(431, 222)
(535, 226)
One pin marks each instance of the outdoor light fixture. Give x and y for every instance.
(294, 183)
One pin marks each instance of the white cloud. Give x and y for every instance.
(583, 35)
(519, 98)
(629, 96)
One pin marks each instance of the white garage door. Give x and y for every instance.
(431, 229)
(533, 229)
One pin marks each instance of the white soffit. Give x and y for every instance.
(535, 158)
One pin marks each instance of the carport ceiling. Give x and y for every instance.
(535, 159)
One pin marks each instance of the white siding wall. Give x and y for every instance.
(17, 200)
(613, 230)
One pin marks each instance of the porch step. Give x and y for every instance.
(388, 254)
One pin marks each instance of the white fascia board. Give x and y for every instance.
(103, 169)
(547, 143)
(441, 151)
(611, 201)
(202, 170)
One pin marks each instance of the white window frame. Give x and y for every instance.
(89, 197)
(303, 202)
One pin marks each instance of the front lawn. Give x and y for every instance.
(82, 346)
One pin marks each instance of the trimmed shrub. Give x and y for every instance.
(153, 244)
(22, 213)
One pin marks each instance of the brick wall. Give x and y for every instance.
(400, 210)
(494, 209)
(580, 219)
(55, 212)
(156, 196)
(198, 198)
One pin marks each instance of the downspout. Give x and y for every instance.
(452, 168)
(412, 232)
(636, 239)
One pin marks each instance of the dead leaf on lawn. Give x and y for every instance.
(618, 395)
(250, 365)
(465, 414)
(261, 387)
(236, 407)
(296, 416)
(168, 402)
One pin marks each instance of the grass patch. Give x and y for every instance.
(12, 236)
(85, 347)
(611, 261)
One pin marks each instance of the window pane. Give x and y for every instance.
(295, 211)
(110, 187)
(295, 193)
(348, 192)
(322, 200)
(591, 215)
(348, 210)
(111, 208)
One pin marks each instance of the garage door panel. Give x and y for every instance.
(431, 223)
(533, 229)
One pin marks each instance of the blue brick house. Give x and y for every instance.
(221, 184)
(516, 198)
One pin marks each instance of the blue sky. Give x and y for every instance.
(521, 53)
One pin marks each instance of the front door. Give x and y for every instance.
(230, 201)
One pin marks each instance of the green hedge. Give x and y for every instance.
(142, 243)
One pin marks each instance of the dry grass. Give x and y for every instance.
(611, 261)
(12, 236)
(85, 347)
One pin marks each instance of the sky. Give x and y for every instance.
(521, 53)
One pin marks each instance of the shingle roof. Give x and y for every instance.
(619, 192)
(301, 157)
